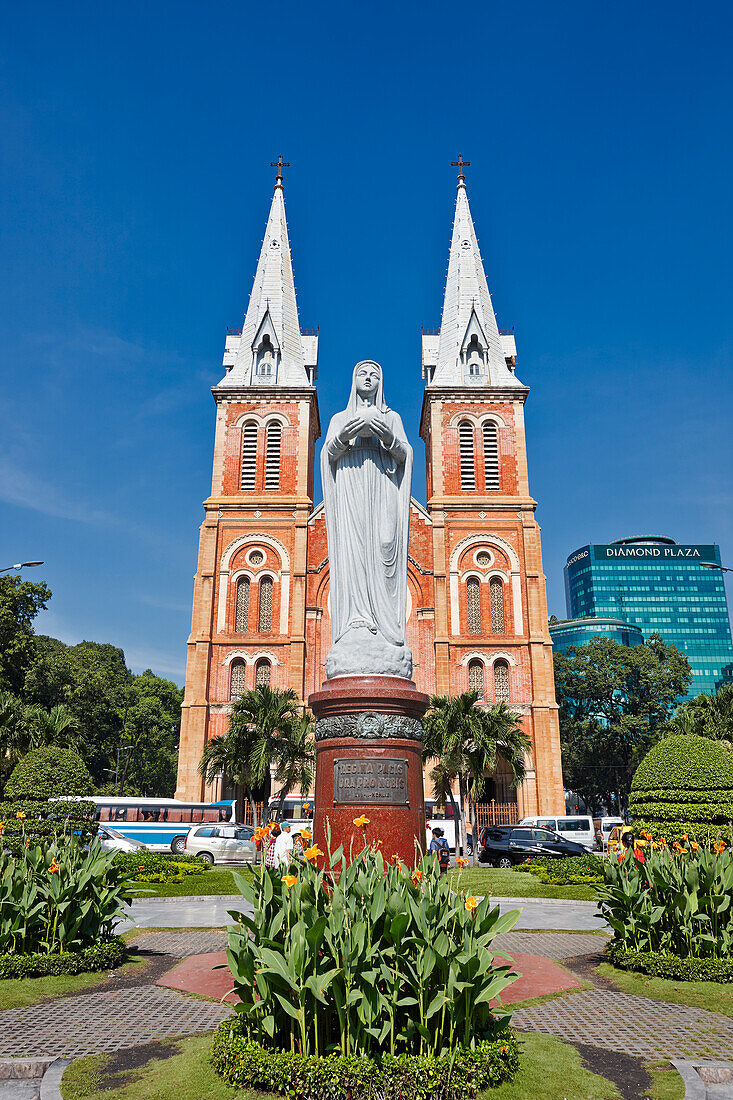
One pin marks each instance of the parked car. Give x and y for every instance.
(576, 827)
(507, 845)
(221, 843)
(114, 841)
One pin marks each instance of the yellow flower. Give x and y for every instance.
(290, 880)
(461, 862)
(471, 903)
(53, 867)
(313, 853)
(20, 816)
(361, 821)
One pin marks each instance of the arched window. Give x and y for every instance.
(272, 456)
(468, 464)
(501, 682)
(473, 602)
(491, 457)
(476, 677)
(496, 592)
(265, 609)
(265, 359)
(237, 677)
(474, 356)
(249, 455)
(263, 670)
(241, 618)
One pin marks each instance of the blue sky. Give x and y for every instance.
(134, 188)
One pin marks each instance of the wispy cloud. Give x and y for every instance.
(165, 605)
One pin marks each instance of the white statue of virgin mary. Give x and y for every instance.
(366, 470)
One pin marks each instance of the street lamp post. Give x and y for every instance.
(714, 565)
(21, 565)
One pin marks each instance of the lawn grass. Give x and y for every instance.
(711, 996)
(514, 884)
(550, 1069)
(474, 880)
(22, 992)
(668, 1085)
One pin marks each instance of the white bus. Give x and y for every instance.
(161, 824)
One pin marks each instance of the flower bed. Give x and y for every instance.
(680, 832)
(449, 1076)
(105, 955)
(660, 964)
(570, 871)
(671, 900)
(159, 867)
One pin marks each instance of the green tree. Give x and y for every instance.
(613, 702)
(26, 727)
(230, 754)
(705, 716)
(294, 758)
(151, 730)
(20, 602)
(466, 740)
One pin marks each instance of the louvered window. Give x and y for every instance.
(491, 457)
(265, 610)
(272, 456)
(501, 682)
(263, 669)
(249, 455)
(476, 677)
(496, 591)
(241, 622)
(473, 600)
(237, 677)
(468, 464)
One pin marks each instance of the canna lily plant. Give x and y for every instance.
(365, 956)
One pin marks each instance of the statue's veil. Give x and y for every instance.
(353, 406)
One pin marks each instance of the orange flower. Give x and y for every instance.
(646, 836)
(471, 903)
(2, 826)
(27, 843)
(313, 853)
(305, 834)
(361, 821)
(694, 846)
(677, 847)
(20, 816)
(290, 880)
(53, 867)
(504, 1050)
(662, 841)
(397, 859)
(416, 877)
(461, 862)
(719, 846)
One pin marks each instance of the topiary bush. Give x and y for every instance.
(48, 772)
(661, 964)
(571, 871)
(684, 778)
(682, 831)
(105, 955)
(159, 867)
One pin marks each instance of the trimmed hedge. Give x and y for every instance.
(159, 867)
(245, 1064)
(105, 955)
(44, 821)
(660, 964)
(48, 771)
(682, 831)
(570, 871)
(684, 778)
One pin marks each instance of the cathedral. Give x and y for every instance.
(476, 602)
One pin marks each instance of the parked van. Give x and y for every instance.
(577, 827)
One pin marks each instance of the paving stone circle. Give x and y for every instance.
(550, 945)
(181, 944)
(98, 1023)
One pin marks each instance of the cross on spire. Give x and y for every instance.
(279, 164)
(460, 164)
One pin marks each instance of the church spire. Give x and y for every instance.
(470, 349)
(271, 349)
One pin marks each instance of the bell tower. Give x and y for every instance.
(491, 630)
(248, 623)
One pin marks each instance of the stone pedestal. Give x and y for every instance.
(369, 761)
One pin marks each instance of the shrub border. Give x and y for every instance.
(246, 1064)
(105, 955)
(661, 964)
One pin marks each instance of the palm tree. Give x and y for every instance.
(466, 740)
(294, 757)
(231, 754)
(24, 727)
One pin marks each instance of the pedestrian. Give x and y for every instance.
(283, 845)
(270, 854)
(440, 846)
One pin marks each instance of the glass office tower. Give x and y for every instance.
(581, 631)
(660, 586)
